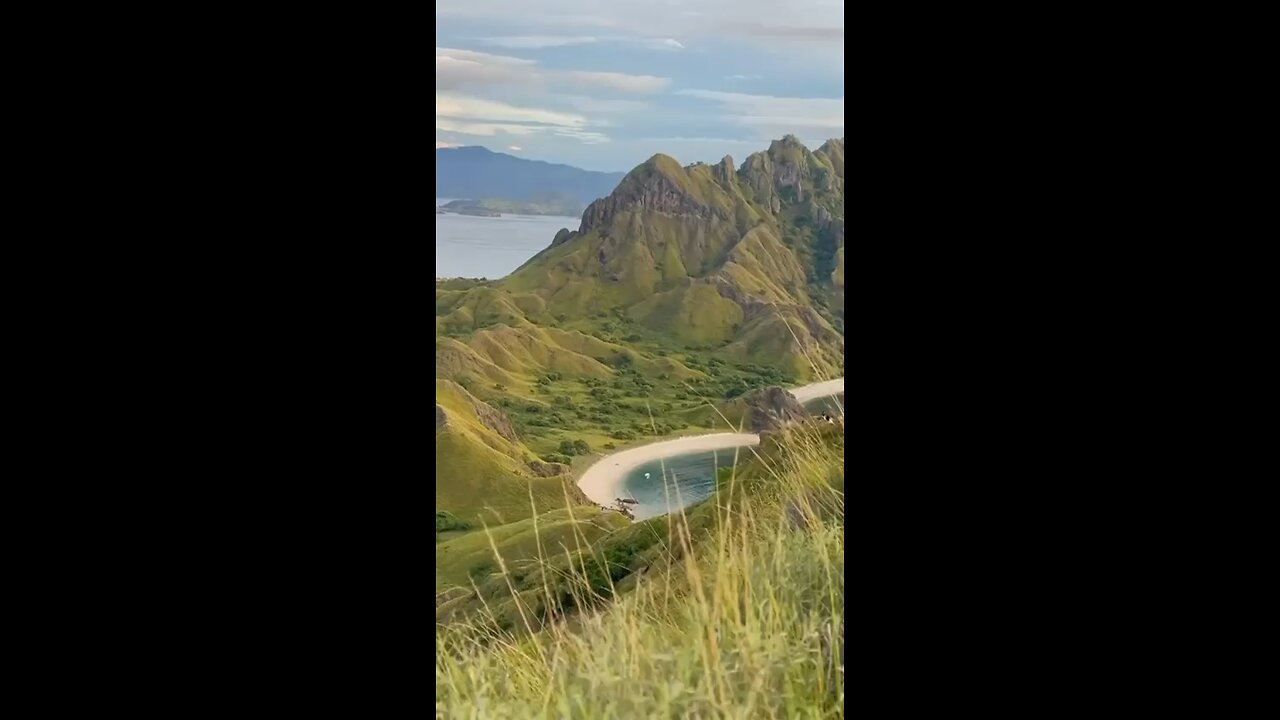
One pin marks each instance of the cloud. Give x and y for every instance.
(517, 148)
(587, 137)
(480, 116)
(538, 41)
(661, 43)
(461, 68)
(443, 144)
(708, 141)
(465, 107)
(822, 33)
(773, 114)
(618, 81)
(791, 23)
(596, 105)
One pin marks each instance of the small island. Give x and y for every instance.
(493, 207)
(467, 207)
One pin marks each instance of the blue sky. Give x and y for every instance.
(604, 85)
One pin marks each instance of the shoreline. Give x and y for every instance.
(602, 482)
(818, 390)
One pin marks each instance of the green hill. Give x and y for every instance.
(686, 285)
(682, 296)
(749, 258)
(484, 473)
(732, 609)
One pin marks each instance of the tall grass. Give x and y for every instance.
(741, 617)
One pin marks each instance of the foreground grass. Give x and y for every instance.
(744, 617)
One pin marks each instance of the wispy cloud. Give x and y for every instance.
(458, 69)
(702, 140)
(597, 105)
(464, 107)
(539, 42)
(480, 116)
(772, 114)
(789, 23)
(616, 72)
(824, 33)
(618, 81)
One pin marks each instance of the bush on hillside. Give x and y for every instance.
(446, 520)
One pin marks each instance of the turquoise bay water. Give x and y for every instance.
(694, 474)
(828, 404)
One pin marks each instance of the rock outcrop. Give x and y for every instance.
(659, 185)
(547, 469)
(495, 420)
(770, 408)
(564, 236)
(749, 258)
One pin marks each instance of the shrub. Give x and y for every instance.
(446, 520)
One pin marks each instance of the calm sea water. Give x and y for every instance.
(475, 247)
(694, 474)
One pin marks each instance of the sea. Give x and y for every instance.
(690, 479)
(484, 247)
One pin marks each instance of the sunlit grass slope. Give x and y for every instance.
(735, 609)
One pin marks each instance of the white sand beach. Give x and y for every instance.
(817, 390)
(603, 481)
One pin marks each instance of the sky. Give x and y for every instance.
(606, 84)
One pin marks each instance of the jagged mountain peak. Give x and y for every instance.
(661, 185)
(750, 259)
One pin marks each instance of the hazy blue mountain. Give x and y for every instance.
(475, 172)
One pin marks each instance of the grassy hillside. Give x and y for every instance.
(685, 286)
(683, 290)
(482, 473)
(734, 609)
(740, 258)
(471, 556)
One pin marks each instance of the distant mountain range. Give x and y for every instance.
(475, 172)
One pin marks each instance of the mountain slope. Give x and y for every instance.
(477, 173)
(750, 258)
(484, 473)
